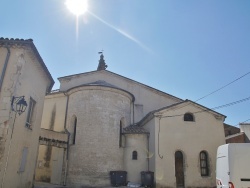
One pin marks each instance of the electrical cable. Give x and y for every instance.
(242, 122)
(215, 108)
(220, 88)
(223, 87)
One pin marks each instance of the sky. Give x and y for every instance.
(187, 48)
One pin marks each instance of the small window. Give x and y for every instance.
(134, 155)
(23, 159)
(188, 117)
(74, 136)
(204, 163)
(32, 104)
(121, 136)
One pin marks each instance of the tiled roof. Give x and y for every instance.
(134, 129)
(101, 83)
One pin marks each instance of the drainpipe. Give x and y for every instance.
(133, 112)
(67, 152)
(5, 67)
(148, 150)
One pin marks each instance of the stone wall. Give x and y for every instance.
(96, 151)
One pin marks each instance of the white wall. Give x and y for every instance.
(138, 143)
(24, 77)
(205, 133)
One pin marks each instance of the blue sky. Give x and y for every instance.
(185, 48)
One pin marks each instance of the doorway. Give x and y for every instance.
(179, 169)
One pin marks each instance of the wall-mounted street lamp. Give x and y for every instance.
(18, 104)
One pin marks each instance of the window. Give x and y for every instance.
(188, 117)
(134, 155)
(32, 104)
(72, 130)
(204, 163)
(23, 159)
(74, 136)
(121, 136)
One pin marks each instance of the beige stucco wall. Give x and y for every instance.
(50, 164)
(205, 133)
(43, 169)
(150, 126)
(139, 143)
(54, 112)
(141, 92)
(245, 127)
(24, 77)
(96, 152)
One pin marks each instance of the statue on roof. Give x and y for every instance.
(102, 65)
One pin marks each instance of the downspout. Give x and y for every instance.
(133, 112)
(148, 150)
(159, 130)
(5, 67)
(67, 152)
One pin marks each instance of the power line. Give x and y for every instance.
(220, 88)
(232, 103)
(242, 122)
(223, 87)
(218, 107)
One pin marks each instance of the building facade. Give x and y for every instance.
(114, 123)
(24, 80)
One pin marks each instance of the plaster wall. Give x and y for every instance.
(141, 92)
(96, 151)
(138, 143)
(54, 112)
(43, 169)
(245, 127)
(204, 134)
(49, 164)
(150, 126)
(24, 77)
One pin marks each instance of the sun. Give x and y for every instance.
(77, 7)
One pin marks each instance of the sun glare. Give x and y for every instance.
(77, 7)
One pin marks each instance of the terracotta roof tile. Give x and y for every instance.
(134, 129)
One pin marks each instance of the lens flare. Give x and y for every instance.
(77, 7)
(123, 33)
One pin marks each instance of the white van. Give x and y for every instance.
(233, 166)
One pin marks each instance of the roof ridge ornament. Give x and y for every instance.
(102, 65)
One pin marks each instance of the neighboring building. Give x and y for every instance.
(237, 135)
(230, 130)
(115, 123)
(245, 127)
(22, 73)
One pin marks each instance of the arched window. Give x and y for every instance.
(74, 136)
(179, 169)
(204, 163)
(120, 132)
(188, 117)
(134, 155)
(73, 130)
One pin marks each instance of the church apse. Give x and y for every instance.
(96, 151)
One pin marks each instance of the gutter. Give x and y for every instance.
(66, 130)
(5, 67)
(148, 150)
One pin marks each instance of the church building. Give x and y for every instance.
(100, 121)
